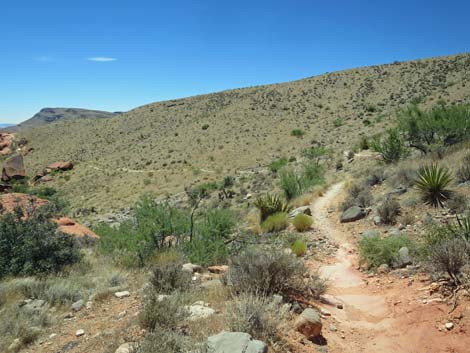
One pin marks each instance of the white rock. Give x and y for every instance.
(52, 335)
(80, 333)
(449, 326)
(124, 348)
(122, 294)
(198, 311)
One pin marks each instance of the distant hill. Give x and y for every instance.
(4, 125)
(51, 115)
(161, 147)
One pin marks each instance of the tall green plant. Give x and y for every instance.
(391, 147)
(271, 204)
(432, 182)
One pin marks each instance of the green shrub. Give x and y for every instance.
(134, 241)
(358, 195)
(269, 271)
(276, 165)
(261, 317)
(205, 126)
(297, 133)
(391, 147)
(32, 246)
(442, 125)
(275, 222)
(269, 205)
(432, 182)
(295, 183)
(211, 231)
(302, 222)
(338, 122)
(299, 248)
(389, 210)
(376, 251)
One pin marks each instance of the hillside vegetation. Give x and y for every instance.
(162, 147)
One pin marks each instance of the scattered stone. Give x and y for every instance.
(218, 269)
(211, 284)
(384, 268)
(68, 315)
(449, 326)
(352, 214)
(199, 310)
(122, 294)
(192, 268)
(235, 342)
(78, 305)
(403, 257)
(60, 166)
(69, 346)
(122, 314)
(377, 220)
(89, 304)
(52, 335)
(34, 305)
(80, 333)
(324, 312)
(309, 323)
(299, 210)
(333, 328)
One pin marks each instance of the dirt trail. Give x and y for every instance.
(381, 314)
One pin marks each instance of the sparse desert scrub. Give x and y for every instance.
(389, 210)
(376, 250)
(358, 195)
(299, 247)
(261, 317)
(270, 204)
(168, 276)
(391, 147)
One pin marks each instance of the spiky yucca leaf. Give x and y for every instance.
(432, 183)
(271, 204)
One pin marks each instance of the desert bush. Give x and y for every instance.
(162, 314)
(295, 183)
(405, 176)
(442, 125)
(358, 195)
(270, 204)
(134, 241)
(389, 210)
(265, 272)
(297, 133)
(302, 222)
(275, 222)
(458, 203)
(261, 317)
(299, 247)
(376, 176)
(463, 172)
(165, 341)
(432, 182)
(33, 245)
(391, 147)
(168, 277)
(276, 165)
(449, 256)
(376, 251)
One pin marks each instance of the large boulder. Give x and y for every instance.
(309, 323)
(403, 258)
(60, 166)
(352, 214)
(13, 168)
(235, 342)
(6, 142)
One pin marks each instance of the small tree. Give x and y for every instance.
(391, 148)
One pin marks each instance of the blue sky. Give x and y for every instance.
(116, 55)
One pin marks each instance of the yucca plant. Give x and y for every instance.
(271, 204)
(432, 182)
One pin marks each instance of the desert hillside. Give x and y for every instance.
(162, 147)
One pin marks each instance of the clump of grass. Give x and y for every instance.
(275, 222)
(302, 222)
(299, 247)
(358, 195)
(391, 147)
(432, 182)
(276, 165)
(297, 133)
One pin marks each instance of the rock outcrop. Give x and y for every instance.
(235, 342)
(63, 166)
(6, 143)
(13, 168)
(352, 214)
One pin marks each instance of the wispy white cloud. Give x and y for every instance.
(44, 58)
(101, 59)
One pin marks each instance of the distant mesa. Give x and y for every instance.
(52, 115)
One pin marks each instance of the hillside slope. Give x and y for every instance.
(162, 147)
(51, 115)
